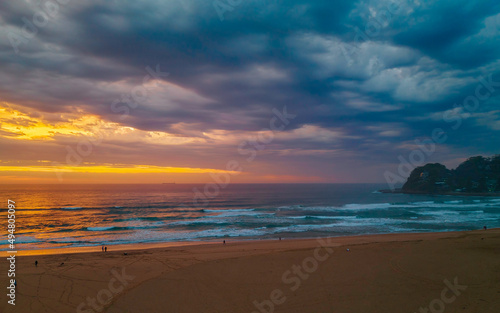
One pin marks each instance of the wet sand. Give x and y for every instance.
(453, 272)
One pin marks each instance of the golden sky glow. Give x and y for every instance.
(19, 125)
(54, 134)
(134, 169)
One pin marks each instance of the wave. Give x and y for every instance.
(455, 204)
(352, 224)
(228, 210)
(236, 212)
(20, 239)
(422, 202)
(443, 212)
(125, 227)
(348, 207)
(101, 228)
(200, 221)
(143, 218)
(320, 217)
(370, 206)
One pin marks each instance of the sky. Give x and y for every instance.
(254, 91)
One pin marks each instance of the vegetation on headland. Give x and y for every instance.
(476, 176)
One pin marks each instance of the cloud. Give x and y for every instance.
(358, 75)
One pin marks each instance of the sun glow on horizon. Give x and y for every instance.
(115, 169)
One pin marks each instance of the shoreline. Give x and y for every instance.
(383, 273)
(451, 193)
(349, 239)
(97, 249)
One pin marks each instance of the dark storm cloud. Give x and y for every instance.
(447, 31)
(380, 92)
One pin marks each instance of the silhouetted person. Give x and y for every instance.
(36, 263)
(105, 249)
(102, 248)
(223, 242)
(485, 227)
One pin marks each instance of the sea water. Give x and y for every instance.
(51, 216)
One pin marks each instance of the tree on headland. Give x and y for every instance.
(477, 174)
(429, 178)
(472, 175)
(495, 171)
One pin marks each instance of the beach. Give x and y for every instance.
(449, 271)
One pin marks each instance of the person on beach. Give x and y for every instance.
(36, 263)
(102, 248)
(223, 242)
(105, 249)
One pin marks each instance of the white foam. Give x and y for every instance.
(370, 206)
(351, 206)
(227, 232)
(443, 212)
(454, 202)
(228, 210)
(100, 228)
(454, 206)
(199, 221)
(358, 223)
(229, 213)
(422, 202)
(321, 217)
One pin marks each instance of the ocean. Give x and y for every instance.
(56, 216)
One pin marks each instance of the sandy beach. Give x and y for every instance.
(437, 272)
